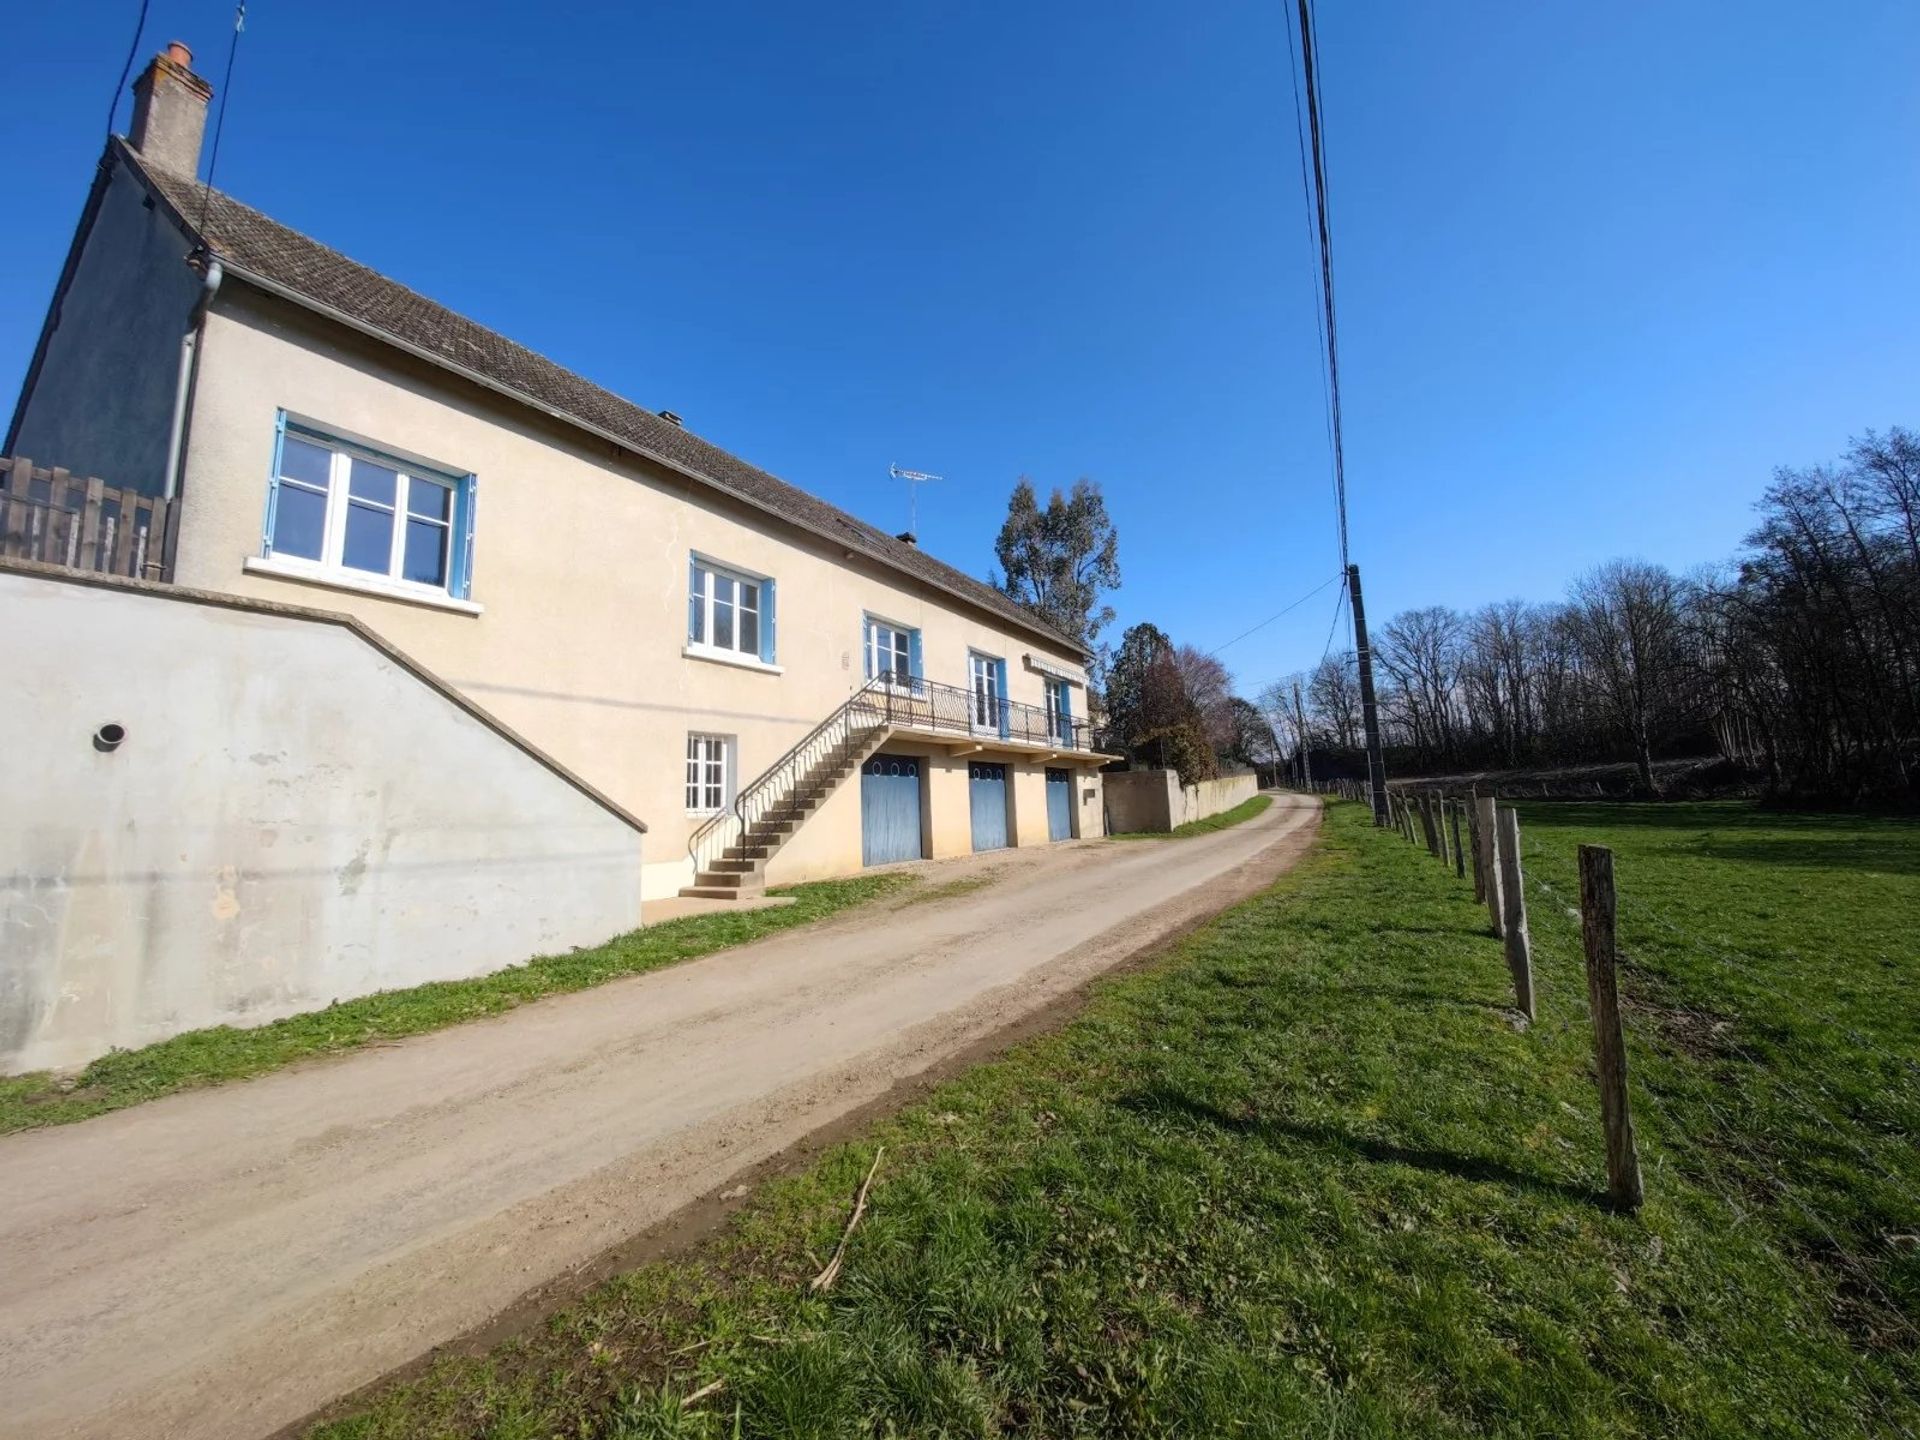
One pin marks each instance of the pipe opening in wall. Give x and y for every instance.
(109, 736)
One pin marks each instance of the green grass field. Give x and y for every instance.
(207, 1057)
(1305, 1177)
(1245, 810)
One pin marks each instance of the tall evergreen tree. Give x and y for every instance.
(1060, 561)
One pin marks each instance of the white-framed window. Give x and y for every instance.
(890, 650)
(729, 611)
(987, 676)
(340, 508)
(1059, 710)
(709, 773)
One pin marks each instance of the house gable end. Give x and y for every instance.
(99, 392)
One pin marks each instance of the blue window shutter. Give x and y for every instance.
(913, 661)
(1066, 706)
(1006, 710)
(467, 498)
(273, 482)
(766, 621)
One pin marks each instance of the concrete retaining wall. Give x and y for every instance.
(294, 817)
(1155, 800)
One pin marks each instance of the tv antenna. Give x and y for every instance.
(915, 479)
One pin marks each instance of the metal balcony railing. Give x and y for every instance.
(910, 702)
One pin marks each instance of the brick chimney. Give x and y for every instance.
(170, 112)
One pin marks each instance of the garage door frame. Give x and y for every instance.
(987, 794)
(892, 808)
(1059, 791)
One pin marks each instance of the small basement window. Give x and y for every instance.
(709, 773)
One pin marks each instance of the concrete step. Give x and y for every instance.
(718, 892)
(734, 865)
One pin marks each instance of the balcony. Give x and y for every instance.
(973, 721)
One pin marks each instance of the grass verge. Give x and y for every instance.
(1302, 1177)
(1245, 810)
(207, 1057)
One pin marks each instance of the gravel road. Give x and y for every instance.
(221, 1263)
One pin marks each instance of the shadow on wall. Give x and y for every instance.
(292, 816)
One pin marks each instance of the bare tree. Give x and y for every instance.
(1628, 625)
(1420, 653)
(1333, 699)
(1210, 690)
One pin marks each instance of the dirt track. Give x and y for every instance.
(219, 1264)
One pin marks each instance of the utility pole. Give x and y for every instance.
(1369, 706)
(1300, 730)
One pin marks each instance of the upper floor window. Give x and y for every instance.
(1059, 710)
(340, 508)
(729, 611)
(892, 651)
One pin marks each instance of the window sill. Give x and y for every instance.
(730, 657)
(371, 585)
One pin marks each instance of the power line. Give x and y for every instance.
(1322, 206)
(1276, 615)
(133, 49)
(220, 118)
(1317, 131)
(1306, 218)
(1339, 604)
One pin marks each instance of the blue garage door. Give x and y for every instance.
(1059, 805)
(988, 786)
(890, 809)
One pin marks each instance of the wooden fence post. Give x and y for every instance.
(1426, 821)
(1609, 1045)
(1459, 855)
(1483, 809)
(1473, 842)
(1513, 904)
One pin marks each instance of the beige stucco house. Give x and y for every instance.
(779, 690)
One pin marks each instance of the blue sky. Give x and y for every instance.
(1599, 269)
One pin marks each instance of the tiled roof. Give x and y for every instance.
(248, 241)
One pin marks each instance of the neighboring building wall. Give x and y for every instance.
(1141, 800)
(293, 818)
(581, 571)
(102, 400)
(1155, 800)
(1212, 797)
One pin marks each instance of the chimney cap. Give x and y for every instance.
(909, 537)
(179, 54)
(671, 418)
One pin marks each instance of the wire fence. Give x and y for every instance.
(1741, 1161)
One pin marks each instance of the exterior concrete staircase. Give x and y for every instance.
(731, 850)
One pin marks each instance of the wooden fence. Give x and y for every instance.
(1433, 818)
(58, 518)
